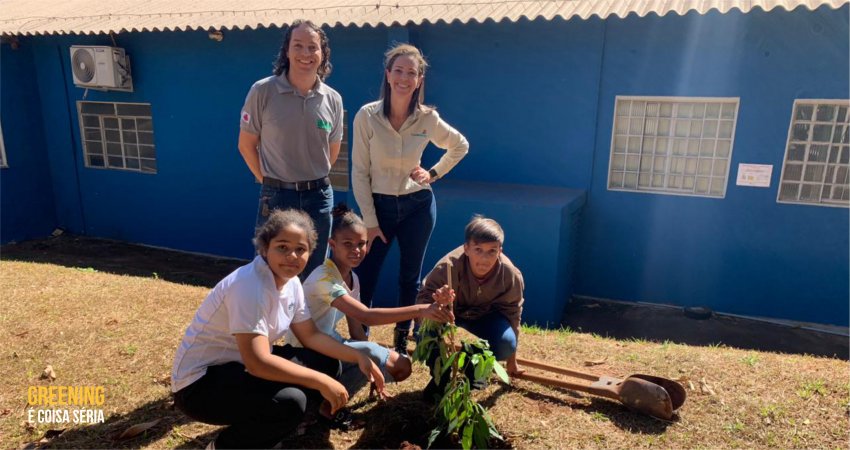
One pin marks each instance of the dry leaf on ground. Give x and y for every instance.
(48, 373)
(596, 362)
(137, 429)
(706, 388)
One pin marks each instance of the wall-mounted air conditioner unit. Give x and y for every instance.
(101, 67)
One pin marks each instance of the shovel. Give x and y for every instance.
(655, 396)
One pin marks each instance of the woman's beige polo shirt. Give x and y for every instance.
(382, 158)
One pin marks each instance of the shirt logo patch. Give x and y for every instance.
(424, 133)
(246, 117)
(323, 125)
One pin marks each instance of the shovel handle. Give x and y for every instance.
(557, 369)
(600, 391)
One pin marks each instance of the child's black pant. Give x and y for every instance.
(260, 412)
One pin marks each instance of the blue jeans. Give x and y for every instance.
(410, 219)
(318, 203)
(496, 330)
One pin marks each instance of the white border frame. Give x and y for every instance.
(673, 99)
(816, 101)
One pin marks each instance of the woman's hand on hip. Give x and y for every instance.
(372, 234)
(420, 175)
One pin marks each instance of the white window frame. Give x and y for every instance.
(837, 165)
(87, 154)
(697, 162)
(4, 163)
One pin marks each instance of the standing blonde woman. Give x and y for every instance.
(391, 188)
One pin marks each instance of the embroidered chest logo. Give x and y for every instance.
(246, 117)
(323, 125)
(424, 133)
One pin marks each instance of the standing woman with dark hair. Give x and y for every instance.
(291, 129)
(391, 188)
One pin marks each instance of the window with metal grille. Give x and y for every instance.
(117, 136)
(339, 172)
(3, 162)
(672, 145)
(817, 157)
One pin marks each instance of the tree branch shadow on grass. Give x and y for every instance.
(105, 435)
(603, 409)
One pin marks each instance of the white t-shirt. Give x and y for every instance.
(246, 301)
(321, 288)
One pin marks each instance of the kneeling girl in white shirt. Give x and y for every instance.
(227, 370)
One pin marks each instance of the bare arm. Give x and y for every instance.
(382, 316)
(249, 148)
(334, 148)
(355, 329)
(312, 338)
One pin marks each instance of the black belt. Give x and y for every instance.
(298, 185)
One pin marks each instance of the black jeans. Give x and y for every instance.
(260, 412)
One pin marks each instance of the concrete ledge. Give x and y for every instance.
(540, 224)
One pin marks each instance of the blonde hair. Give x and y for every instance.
(417, 102)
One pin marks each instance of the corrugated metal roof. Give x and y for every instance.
(36, 17)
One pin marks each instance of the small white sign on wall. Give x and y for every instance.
(756, 175)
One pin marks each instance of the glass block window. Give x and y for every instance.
(672, 145)
(118, 136)
(339, 172)
(817, 157)
(3, 162)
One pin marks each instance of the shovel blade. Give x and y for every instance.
(646, 397)
(675, 390)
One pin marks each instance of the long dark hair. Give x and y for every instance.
(389, 59)
(282, 63)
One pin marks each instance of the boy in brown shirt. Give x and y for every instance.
(487, 289)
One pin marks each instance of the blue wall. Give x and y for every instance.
(203, 198)
(535, 100)
(745, 253)
(26, 190)
(523, 93)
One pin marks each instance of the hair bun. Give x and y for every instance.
(340, 209)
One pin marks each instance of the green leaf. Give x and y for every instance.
(466, 442)
(500, 371)
(435, 433)
(448, 364)
(479, 369)
(438, 370)
(481, 434)
(452, 425)
(461, 358)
